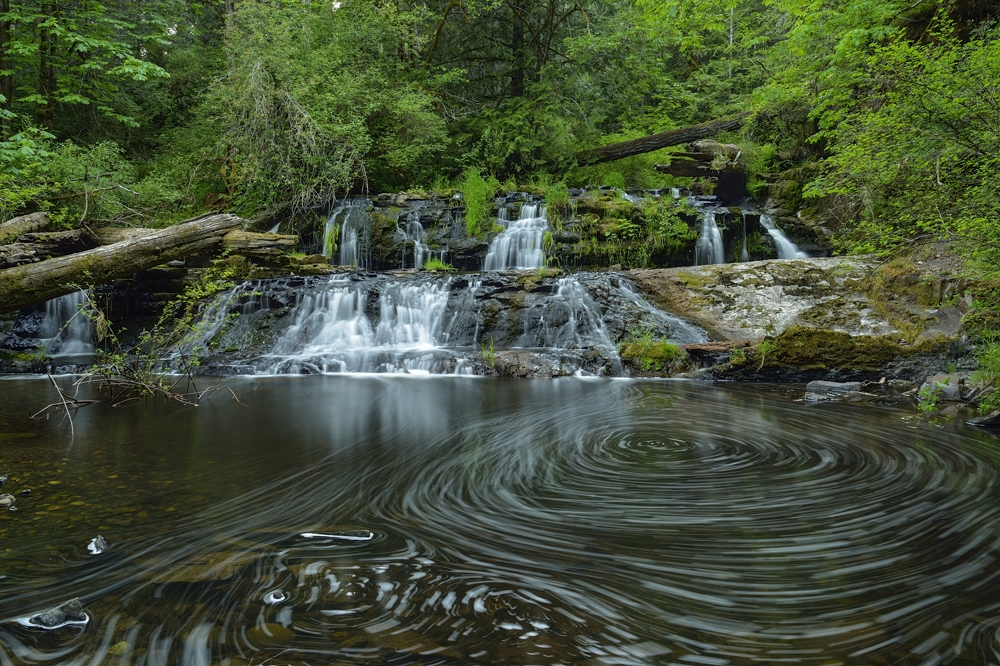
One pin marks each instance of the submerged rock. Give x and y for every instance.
(991, 420)
(68, 613)
(6, 500)
(820, 391)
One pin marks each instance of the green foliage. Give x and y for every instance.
(652, 354)
(988, 372)
(478, 194)
(435, 264)
(488, 353)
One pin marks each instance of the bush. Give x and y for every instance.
(478, 194)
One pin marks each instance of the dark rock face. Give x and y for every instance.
(991, 420)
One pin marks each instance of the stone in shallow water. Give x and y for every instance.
(70, 612)
(820, 386)
(991, 420)
(269, 634)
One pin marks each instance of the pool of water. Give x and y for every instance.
(533, 522)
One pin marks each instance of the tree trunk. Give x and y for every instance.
(648, 144)
(11, 229)
(35, 283)
(6, 80)
(32, 248)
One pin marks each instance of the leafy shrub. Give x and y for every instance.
(478, 193)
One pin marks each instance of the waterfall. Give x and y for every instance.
(413, 230)
(709, 249)
(786, 248)
(570, 320)
(681, 332)
(519, 245)
(744, 254)
(675, 192)
(333, 330)
(65, 329)
(353, 218)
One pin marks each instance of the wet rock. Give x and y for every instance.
(97, 545)
(26, 492)
(70, 612)
(6, 500)
(3, 480)
(269, 634)
(119, 648)
(991, 420)
(945, 387)
(820, 386)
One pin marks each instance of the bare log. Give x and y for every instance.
(648, 144)
(251, 244)
(34, 283)
(11, 229)
(35, 247)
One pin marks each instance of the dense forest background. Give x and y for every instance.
(884, 112)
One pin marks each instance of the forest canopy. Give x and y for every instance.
(145, 113)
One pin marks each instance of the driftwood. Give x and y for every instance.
(38, 282)
(35, 247)
(648, 144)
(11, 229)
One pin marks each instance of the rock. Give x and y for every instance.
(97, 546)
(991, 420)
(3, 480)
(269, 634)
(70, 612)
(820, 386)
(946, 387)
(119, 648)
(6, 500)
(26, 492)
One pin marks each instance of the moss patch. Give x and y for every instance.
(804, 348)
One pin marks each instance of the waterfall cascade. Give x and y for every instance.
(519, 245)
(353, 220)
(709, 248)
(413, 231)
(424, 324)
(786, 248)
(67, 330)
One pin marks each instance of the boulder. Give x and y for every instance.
(70, 612)
(991, 420)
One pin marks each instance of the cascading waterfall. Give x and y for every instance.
(744, 254)
(681, 332)
(66, 329)
(709, 248)
(333, 330)
(786, 248)
(413, 231)
(352, 218)
(520, 245)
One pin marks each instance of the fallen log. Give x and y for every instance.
(34, 247)
(648, 144)
(11, 229)
(38, 282)
(250, 244)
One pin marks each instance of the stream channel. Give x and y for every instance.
(577, 520)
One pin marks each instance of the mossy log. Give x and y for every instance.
(11, 229)
(35, 283)
(250, 244)
(34, 247)
(648, 144)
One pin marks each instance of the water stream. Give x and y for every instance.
(709, 248)
(563, 522)
(350, 225)
(66, 330)
(786, 248)
(519, 245)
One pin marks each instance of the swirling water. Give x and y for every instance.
(566, 521)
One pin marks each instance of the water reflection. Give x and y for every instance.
(512, 522)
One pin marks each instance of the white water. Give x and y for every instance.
(786, 248)
(66, 329)
(681, 332)
(581, 324)
(413, 231)
(352, 217)
(519, 245)
(333, 331)
(709, 248)
(744, 254)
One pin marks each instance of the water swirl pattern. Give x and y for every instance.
(563, 522)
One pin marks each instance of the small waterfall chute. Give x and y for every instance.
(786, 248)
(709, 247)
(520, 245)
(67, 330)
(350, 224)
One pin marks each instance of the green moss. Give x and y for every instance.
(653, 355)
(805, 348)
